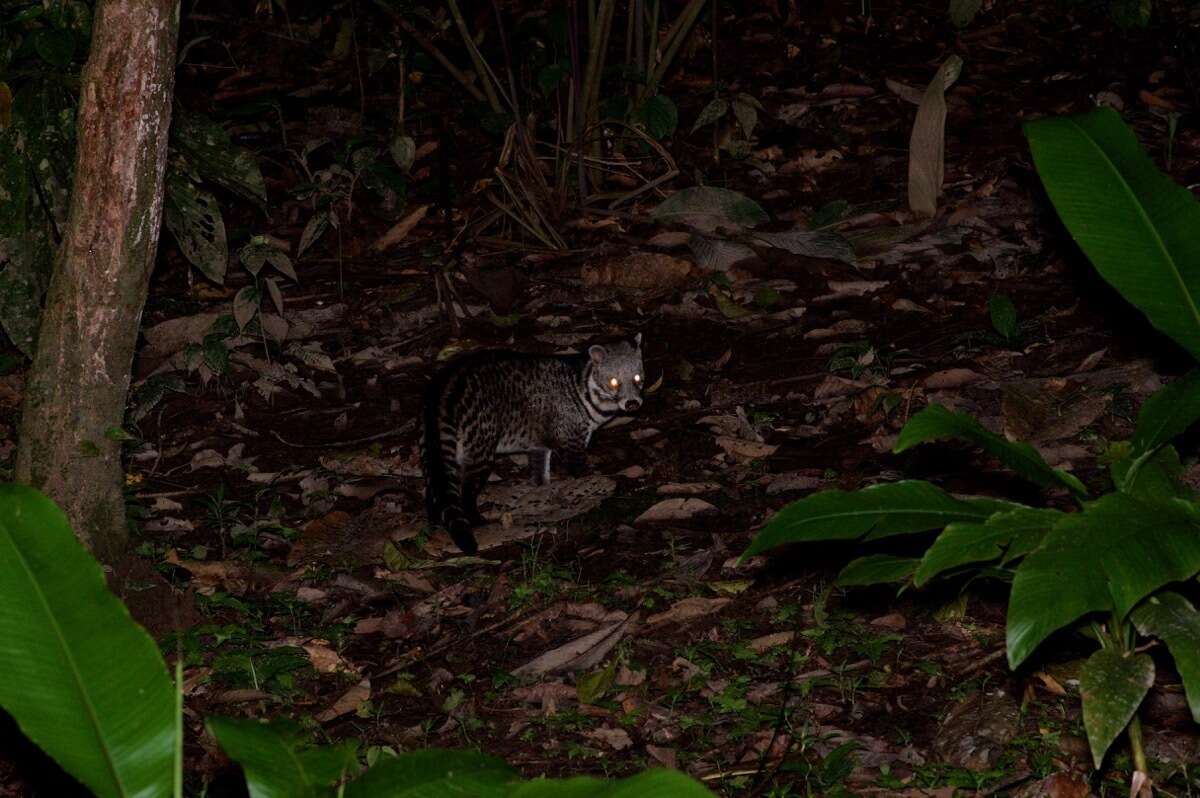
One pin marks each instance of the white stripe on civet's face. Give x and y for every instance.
(618, 375)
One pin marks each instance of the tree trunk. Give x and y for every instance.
(76, 389)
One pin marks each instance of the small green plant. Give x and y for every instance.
(737, 112)
(1003, 314)
(1107, 568)
(116, 723)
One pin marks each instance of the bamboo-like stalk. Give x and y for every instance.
(675, 38)
(476, 59)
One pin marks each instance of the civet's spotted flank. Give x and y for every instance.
(502, 402)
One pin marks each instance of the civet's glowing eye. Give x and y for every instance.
(615, 383)
(637, 378)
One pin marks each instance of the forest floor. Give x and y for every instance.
(290, 566)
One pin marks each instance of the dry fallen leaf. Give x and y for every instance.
(675, 510)
(350, 701)
(744, 450)
(688, 609)
(639, 271)
(926, 158)
(401, 229)
(579, 654)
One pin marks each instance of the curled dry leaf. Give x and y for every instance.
(401, 229)
(639, 271)
(926, 157)
(616, 739)
(744, 450)
(688, 609)
(951, 378)
(761, 644)
(675, 510)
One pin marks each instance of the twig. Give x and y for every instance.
(431, 48)
(476, 58)
(378, 436)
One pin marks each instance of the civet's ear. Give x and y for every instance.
(637, 340)
(597, 353)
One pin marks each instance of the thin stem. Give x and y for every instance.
(476, 58)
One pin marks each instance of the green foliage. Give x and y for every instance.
(1003, 314)
(880, 511)
(936, 423)
(279, 762)
(1135, 224)
(1115, 558)
(1106, 559)
(1112, 685)
(115, 723)
(109, 721)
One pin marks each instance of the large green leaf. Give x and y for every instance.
(1112, 686)
(1155, 476)
(1009, 535)
(1108, 557)
(936, 422)
(211, 153)
(1137, 226)
(708, 207)
(81, 679)
(880, 511)
(435, 773)
(1168, 413)
(650, 784)
(194, 217)
(279, 762)
(877, 569)
(1172, 619)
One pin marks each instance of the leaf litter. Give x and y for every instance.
(758, 326)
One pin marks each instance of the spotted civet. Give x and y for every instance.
(501, 402)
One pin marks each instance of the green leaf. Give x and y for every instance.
(880, 511)
(1107, 558)
(746, 114)
(659, 115)
(1137, 226)
(591, 687)
(650, 784)
(1009, 535)
(245, 305)
(936, 422)
(877, 569)
(20, 305)
(1112, 686)
(711, 113)
(435, 773)
(1172, 619)
(962, 12)
(550, 76)
(108, 720)
(212, 154)
(729, 308)
(404, 151)
(278, 763)
(55, 46)
(1158, 476)
(706, 208)
(194, 218)
(1168, 413)
(1004, 316)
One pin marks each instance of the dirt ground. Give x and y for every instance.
(286, 559)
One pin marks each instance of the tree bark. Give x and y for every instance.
(76, 389)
